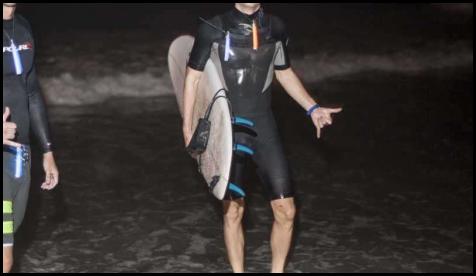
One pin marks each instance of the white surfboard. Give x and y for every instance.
(216, 160)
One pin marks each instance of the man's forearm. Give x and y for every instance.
(294, 87)
(39, 121)
(38, 114)
(192, 79)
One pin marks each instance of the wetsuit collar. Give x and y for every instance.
(8, 24)
(239, 14)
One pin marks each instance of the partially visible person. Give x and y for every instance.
(23, 110)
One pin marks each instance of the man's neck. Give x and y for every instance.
(246, 10)
(7, 16)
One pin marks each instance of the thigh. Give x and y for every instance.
(236, 188)
(8, 185)
(272, 167)
(16, 187)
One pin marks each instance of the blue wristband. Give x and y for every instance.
(314, 107)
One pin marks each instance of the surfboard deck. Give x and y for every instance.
(216, 160)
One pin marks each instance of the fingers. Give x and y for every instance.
(324, 121)
(55, 178)
(321, 123)
(9, 134)
(318, 129)
(45, 185)
(323, 118)
(187, 140)
(326, 118)
(51, 180)
(6, 114)
(335, 110)
(9, 127)
(11, 143)
(51, 172)
(187, 137)
(9, 131)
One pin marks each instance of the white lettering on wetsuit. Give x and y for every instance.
(22, 47)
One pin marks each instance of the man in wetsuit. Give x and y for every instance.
(248, 46)
(23, 109)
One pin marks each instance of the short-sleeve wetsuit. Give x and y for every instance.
(247, 74)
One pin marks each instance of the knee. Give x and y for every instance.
(7, 263)
(284, 213)
(233, 216)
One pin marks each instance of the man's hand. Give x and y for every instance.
(9, 130)
(322, 117)
(187, 135)
(293, 86)
(51, 172)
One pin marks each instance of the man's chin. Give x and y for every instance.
(250, 5)
(8, 17)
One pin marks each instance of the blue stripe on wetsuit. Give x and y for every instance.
(243, 122)
(234, 188)
(243, 148)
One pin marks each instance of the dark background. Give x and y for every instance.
(387, 189)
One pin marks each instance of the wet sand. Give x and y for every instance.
(387, 189)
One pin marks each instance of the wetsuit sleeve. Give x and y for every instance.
(202, 47)
(282, 61)
(38, 116)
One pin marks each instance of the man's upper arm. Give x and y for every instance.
(200, 54)
(193, 74)
(282, 61)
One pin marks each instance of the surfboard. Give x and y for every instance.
(215, 162)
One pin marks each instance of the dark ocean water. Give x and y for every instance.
(387, 189)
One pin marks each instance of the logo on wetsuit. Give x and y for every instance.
(22, 47)
(248, 28)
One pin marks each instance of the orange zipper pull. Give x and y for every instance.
(255, 36)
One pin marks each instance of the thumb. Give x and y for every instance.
(6, 114)
(335, 110)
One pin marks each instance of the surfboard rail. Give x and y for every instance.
(217, 159)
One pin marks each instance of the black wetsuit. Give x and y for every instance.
(21, 93)
(248, 74)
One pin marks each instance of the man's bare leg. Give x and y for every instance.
(281, 235)
(234, 238)
(7, 258)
